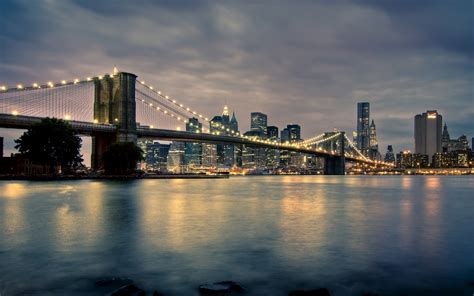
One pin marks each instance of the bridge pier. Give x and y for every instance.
(114, 103)
(336, 165)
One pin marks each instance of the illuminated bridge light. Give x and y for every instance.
(63, 81)
(3, 87)
(67, 117)
(50, 84)
(14, 112)
(19, 86)
(35, 84)
(88, 78)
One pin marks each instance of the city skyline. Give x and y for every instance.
(317, 88)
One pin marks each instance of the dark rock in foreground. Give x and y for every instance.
(128, 290)
(315, 292)
(221, 289)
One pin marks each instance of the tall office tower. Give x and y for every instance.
(193, 151)
(209, 155)
(285, 135)
(234, 125)
(363, 129)
(258, 122)
(156, 156)
(389, 155)
(175, 161)
(295, 132)
(374, 146)
(273, 155)
(225, 117)
(428, 133)
(272, 133)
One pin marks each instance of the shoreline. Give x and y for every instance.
(106, 177)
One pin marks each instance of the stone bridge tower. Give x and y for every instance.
(114, 103)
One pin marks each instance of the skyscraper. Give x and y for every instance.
(363, 128)
(428, 133)
(295, 132)
(258, 122)
(193, 151)
(374, 146)
(389, 155)
(272, 133)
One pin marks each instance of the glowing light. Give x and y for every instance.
(50, 84)
(63, 81)
(174, 101)
(96, 121)
(178, 128)
(151, 87)
(151, 126)
(142, 82)
(76, 81)
(116, 119)
(151, 105)
(88, 79)
(3, 87)
(100, 77)
(19, 86)
(14, 113)
(159, 92)
(35, 84)
(67, 117)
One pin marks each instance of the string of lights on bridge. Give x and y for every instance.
(307, 144)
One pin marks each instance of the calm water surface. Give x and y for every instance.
(409, 235)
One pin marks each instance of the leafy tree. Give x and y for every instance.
(122, 158)
(51, 142)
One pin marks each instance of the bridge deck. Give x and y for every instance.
(89, 128)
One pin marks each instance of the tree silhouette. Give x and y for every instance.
(122, 158)
(51, 142)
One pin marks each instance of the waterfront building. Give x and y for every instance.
(209, 155)
(450, 145)
(452, 159)
(389, 155)
(193, 151)
(428, 133)
(254, 158)
(175, 161)
(258, 122)
(406, 160)
(156, 157)
(363, 128)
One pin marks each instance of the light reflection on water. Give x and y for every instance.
(393, 235)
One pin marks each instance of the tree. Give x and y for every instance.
(51, 142)
(122, 158)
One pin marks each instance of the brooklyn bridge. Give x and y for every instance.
(119, 107)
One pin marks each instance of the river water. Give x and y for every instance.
(394, 235)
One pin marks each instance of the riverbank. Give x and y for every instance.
(107, 177)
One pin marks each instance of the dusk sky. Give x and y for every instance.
(305, 62)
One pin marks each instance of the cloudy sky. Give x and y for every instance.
(306, 62)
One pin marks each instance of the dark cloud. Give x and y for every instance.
(307, 62)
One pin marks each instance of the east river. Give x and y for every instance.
(394, 235)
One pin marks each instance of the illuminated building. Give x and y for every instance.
(193, 151)
(428, 133)
(156, 157)
(374, 146)
(389, 156)
(258, 122)
(273, 155)
(175, 161)
(363, 128)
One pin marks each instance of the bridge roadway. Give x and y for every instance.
(90, 129)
